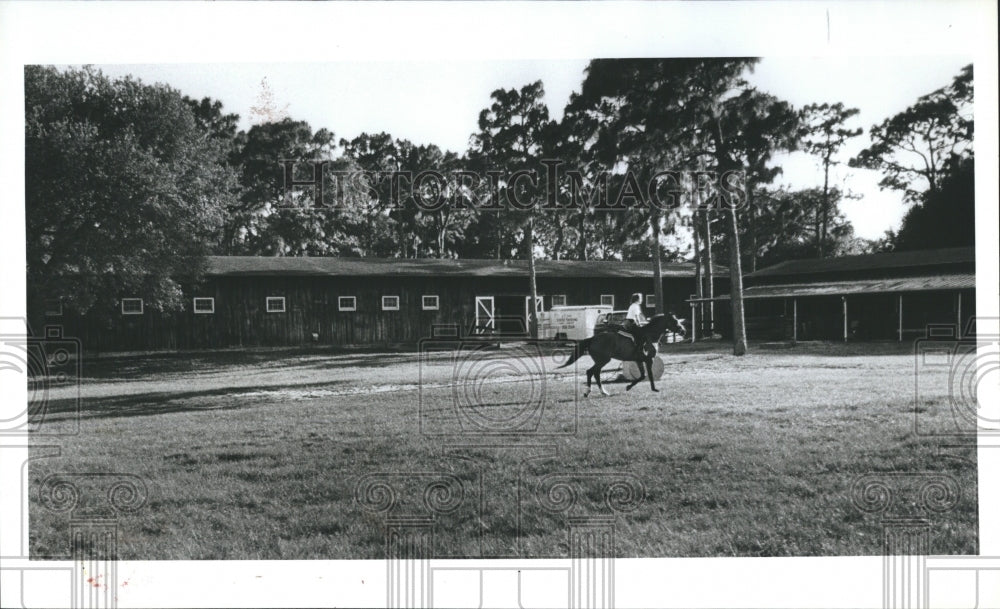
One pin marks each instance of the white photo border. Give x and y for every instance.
(149, 32)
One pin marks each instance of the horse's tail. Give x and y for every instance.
(581, 347)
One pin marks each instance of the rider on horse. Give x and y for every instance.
(634, 320)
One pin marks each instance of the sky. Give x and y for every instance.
(438, 102)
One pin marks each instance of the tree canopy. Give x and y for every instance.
(130, 185)
(125, 191)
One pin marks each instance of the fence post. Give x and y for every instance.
(795, 320)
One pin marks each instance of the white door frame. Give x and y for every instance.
(488, 313)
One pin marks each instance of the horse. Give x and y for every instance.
(610, 345)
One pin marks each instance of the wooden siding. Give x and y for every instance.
(311, 308)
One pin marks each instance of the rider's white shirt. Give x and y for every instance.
(635, 313)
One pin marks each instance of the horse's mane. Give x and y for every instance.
(656, 326)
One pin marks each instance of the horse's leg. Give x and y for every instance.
(598, 364)
(642, 375)
(649, 369)
(587, 392)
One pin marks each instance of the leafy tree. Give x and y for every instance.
(783, 228)
(447, 227)
(914, 148)
(585, 141)
(511, 137)
(824, 134)
(125, 190)
(212, 119)
(946, 218)
(760, 125)
(677, 111)
(266, 222)
(640, 133)
(390, 229)
(708, 83)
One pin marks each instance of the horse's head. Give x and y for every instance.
(658, 324)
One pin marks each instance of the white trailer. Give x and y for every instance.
(573, 323)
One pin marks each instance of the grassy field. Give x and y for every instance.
(259, 455)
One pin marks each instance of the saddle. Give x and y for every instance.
(627, 335)
(650, 350)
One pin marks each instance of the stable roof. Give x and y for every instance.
(956, 281)
(896, 261)
(435, 267)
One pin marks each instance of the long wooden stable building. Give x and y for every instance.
(287, 301)
(890, 296)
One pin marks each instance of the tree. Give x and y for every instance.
(266, 109)
(125, 192)
(709, 82)
(586, 140)
(212, 119)
(933, 136)
(676, 111)
(824, 134)
(783, 227)
(641, 107)
(946, 217)
(511, 137)
(760, 125)
(266, 222)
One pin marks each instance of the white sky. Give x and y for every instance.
(439, 101)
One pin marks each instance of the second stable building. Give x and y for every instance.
(891, 296)
(261, 301)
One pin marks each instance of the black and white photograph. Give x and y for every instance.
(464, 327)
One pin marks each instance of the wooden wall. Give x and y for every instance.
(241, 319)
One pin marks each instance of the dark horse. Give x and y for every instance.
(610, 345)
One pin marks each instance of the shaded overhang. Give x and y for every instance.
(898, 285)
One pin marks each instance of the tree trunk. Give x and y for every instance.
(826, 207)
(753, 238)
(735, 270)
(654, 225)
(582, 244)
(532, 288)
(736, 287)
(698, 291)
(499, 236)
(560, 237)
(709, 268)
(696, 232)
(816, 229)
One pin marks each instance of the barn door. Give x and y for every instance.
(485, 318)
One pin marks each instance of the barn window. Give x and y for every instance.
(204, 305)
(347, 303)
(429, 303)
(650, 300)
(558, 300)
(390, 303)
(608, 300)
(131, 306)
(275, 304)
(53, 307)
